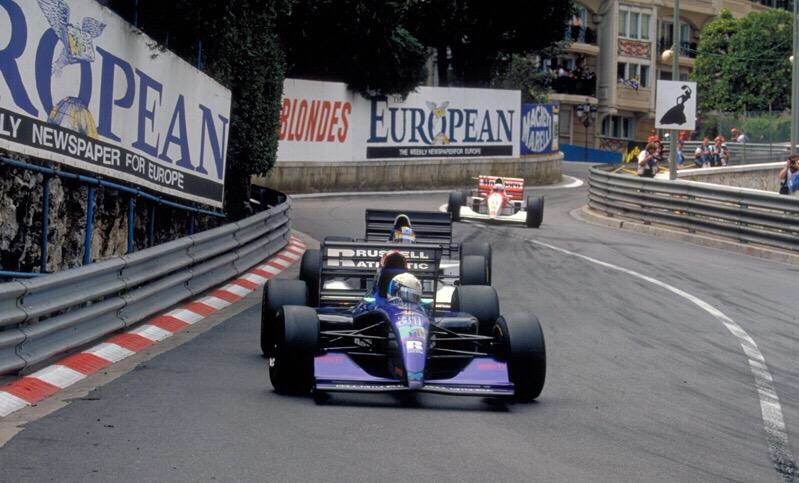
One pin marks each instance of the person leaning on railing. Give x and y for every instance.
(789, 176)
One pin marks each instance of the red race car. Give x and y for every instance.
(497, 198)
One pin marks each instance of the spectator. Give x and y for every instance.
(653, 137)
(724, 154)
(647, 161)
(738, 136)
(680, 157)
(789, 176)
(715, 151)
(705, 153)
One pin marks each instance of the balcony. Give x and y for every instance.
(687, 49)
(581, 35)
(580, 86)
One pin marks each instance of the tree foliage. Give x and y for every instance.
(522, 73)
(479, 35)
(361, 42)
(739, 67)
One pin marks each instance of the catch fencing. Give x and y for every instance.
(745, 153)
(52, 314)
(744, 215)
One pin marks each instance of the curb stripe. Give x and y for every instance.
(30, 389)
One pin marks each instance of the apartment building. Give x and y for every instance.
(606, 77)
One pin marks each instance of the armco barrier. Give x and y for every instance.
(741, 214)
(45, 316)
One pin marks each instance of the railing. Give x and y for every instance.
(48, 315)
(570, 85)
(583, 35)
(743, 215)
(746, 153)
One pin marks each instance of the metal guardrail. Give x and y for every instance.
(52, 314)
(743, 215)
(747, 153)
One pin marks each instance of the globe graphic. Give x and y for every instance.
(72, 114)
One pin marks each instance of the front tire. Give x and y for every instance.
(454, 205)
(521, 343)
(482, 249)
(473, 270)
(291, 370)
(310, 268)
(535, 211)
(277, 293)
(479, 301)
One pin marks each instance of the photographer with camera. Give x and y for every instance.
(789, 176)
(648, 161)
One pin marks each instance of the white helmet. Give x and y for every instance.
(405, 287)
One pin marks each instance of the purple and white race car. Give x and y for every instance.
(363, 318)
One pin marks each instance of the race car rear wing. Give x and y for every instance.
(349, 269)
(514, 187)
(429, 226)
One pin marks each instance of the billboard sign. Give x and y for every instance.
(81, 87)
(323, 121)
(539, 129)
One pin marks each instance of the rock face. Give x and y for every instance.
(21, 211)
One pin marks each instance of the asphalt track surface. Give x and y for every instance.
(642, 385)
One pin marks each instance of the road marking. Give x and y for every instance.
(773, 421)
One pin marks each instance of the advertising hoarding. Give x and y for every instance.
(539, 128)
(81, 87)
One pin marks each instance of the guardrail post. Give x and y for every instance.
(131, 222)
(45, 223)
(87, 254)
(151, 226)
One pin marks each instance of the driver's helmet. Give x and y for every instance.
(405, 287)
(404, 235)
(402, 231)
(499, 186)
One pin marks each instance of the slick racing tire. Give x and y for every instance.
(291, 370)
(474, 270)
(479, 301)
(482, 249)
(465, 197)
(521, 343)
(310, 268)
(454, 205)
(277, 293)
(535, 211)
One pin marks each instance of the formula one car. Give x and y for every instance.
(387, 335)
(497, 199)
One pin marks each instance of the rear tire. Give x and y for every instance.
(482, 249)
(535, 211)
(465, 197)
(474, 270)
(521, 342)
(291, 370)
(479, 301)
(454, 205)
(277, 293)
(310, 268)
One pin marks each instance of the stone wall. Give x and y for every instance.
(21, 221)
(753, 176)
(317, 177)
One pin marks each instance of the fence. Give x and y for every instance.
(48, 315)
(743, 215)
(748, 153)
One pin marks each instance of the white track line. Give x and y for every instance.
(773, 421)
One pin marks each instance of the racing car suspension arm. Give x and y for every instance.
(458, 352)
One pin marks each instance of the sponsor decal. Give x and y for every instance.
(377, 253)
(80, 87)
(339, 263)
(314, 120)
(414, 346)
(539, 133)
(368, 387)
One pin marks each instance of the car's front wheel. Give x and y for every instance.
(277, 293)
(454, 205)
(520, 342)
(535, 211)
(291, 370)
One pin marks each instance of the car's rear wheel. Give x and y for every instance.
(520, 340)
(454, 205)
(535, 211)
(482, 249)
(474, 270)
(291, 370)
(310, 268)
(277, 293)
(479, 301)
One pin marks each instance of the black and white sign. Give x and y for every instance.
(676, 105)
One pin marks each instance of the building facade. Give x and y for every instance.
(605, 78)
